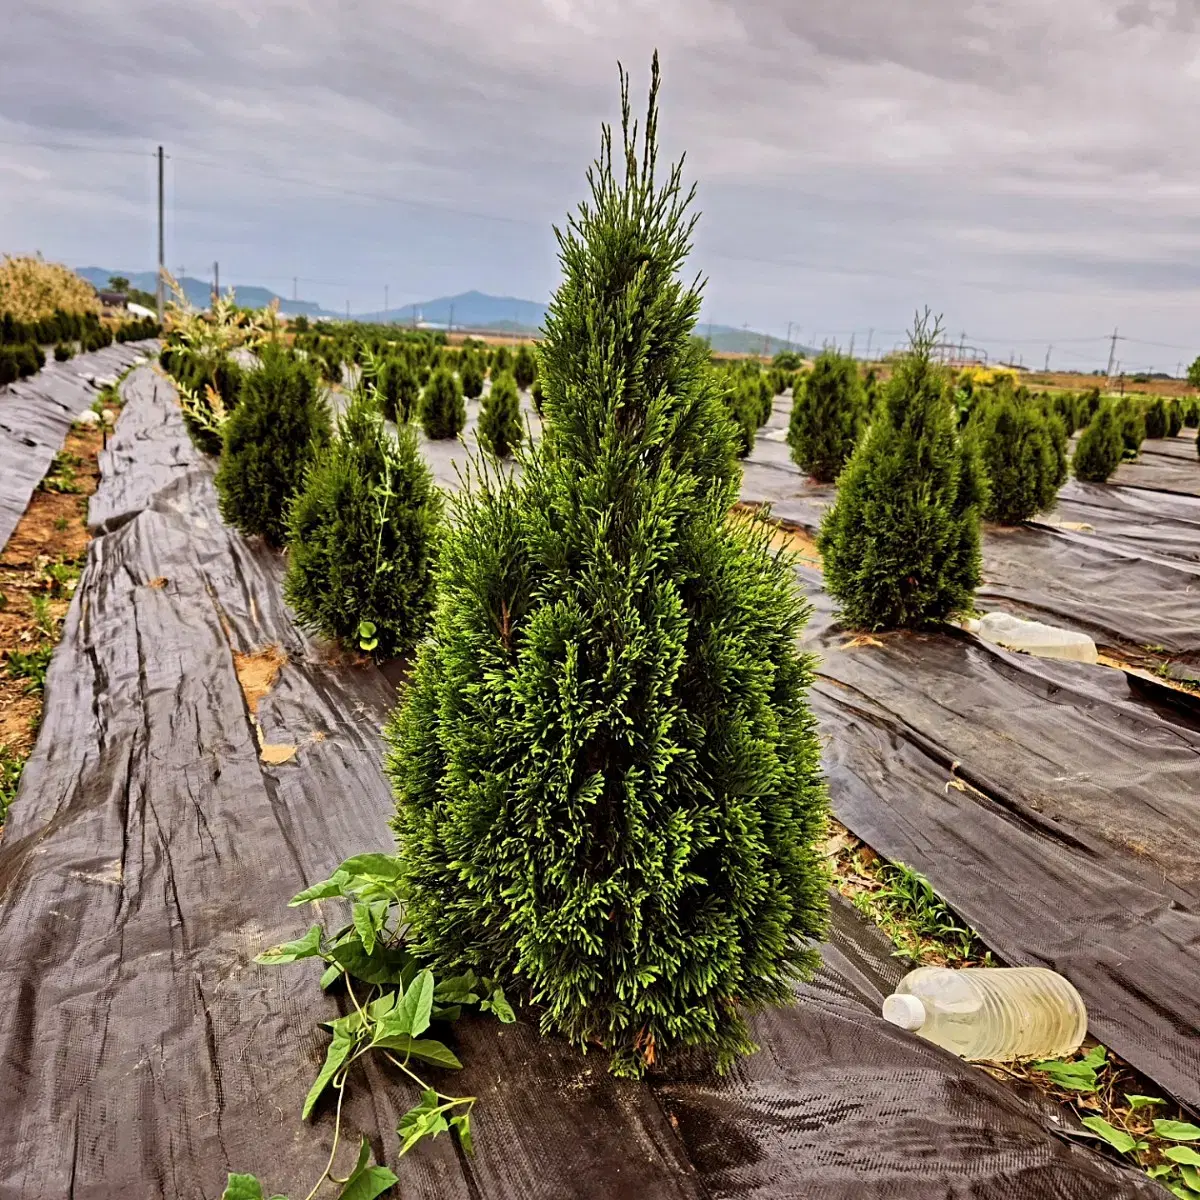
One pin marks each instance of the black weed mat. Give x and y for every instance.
(150, 855)
(35, 415)
(1055, 809)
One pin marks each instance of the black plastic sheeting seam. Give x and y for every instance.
(37, 413)
(150, 855)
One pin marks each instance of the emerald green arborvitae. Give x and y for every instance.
(828, 416)
(1023, 450)
(397, 389)
(1156, 419)
(442, 412)
(1100, 447)
(362, 535)
(1174, 418)
(900, 545)
(1133, 425)
(524, 367)
(471, 374)
(269, 440)
(500, 417)
(607, 772)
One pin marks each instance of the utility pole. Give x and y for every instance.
(216, 282)
(870, 335)
(962, 345)
(450, 323)
(295, 290)
(347, 308)
(852, 345)
(789, 336)
(159, 293)
(1047, 367)
(1112, 353)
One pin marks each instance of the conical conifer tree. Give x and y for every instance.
(500, 417)
(606, 768)
(524, 368)
(1156, 418)
(901, 543)
(828, 416)
(471, 375)
(362, 535)
(269, 440)
(442, 411)
(1100, 447)
(1023, 450)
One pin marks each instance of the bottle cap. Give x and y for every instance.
(904, 1010)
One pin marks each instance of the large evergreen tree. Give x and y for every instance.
(362, 535)
(269, 440)
(901, 543)
(828, 416)
(606, 769)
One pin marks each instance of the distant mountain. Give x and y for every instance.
(199, 291)
(468, 310)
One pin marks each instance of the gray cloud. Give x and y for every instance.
(1024, 167)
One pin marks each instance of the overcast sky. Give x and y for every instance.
(1029, 169)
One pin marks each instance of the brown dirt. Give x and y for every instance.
(257, 673)
(52, 531)
(788, 537)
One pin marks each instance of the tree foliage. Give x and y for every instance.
(606, 769)
(524, 368)
(901, 544)
(443, 412)
(1156, 419)
(269, 440)
(500, 417)
(1098, 453)
(1023, 451)
(362, 536)
(829, 413)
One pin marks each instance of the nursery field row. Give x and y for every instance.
(202, 761)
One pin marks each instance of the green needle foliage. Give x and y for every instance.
(500, 417)
(1100, 447)
(606, 768)
(443, 412)
(828, 416)
(396, 389)
(362, 535)
(901, 543)
(471, 374)
(1133, 425)
(1191, 413)
(1023, 452)
(524, 367)
(1174, 418)
(1156, 419)
(269, 440)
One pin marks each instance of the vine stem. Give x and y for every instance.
(337, 1129)
(417, 1079)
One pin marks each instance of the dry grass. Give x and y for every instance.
(31, 289)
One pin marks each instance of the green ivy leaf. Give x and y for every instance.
(364, 925)
(1177, 1131)
(333, 886)
(305, 947)
(332, 974)
(339, 1048)
(497, 1004)
(416, 1005)
(462, 1124)
(365, 1182)
(384, 965)
(1136, 1101)
(242, 1187)
(425, 1049)
(1157, 1172)
(1182, 1154)
(1117, 1138)
(1191, 1176)
(457, 989)
(421, 1121)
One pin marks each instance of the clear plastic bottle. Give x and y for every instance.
(993, 1013)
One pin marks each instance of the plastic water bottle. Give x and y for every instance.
(993, 1013)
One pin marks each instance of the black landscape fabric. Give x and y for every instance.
(150, 855)
(36, 413)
